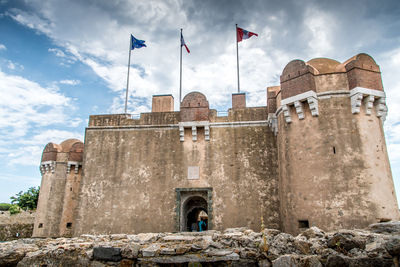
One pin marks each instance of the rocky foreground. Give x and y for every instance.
(379, 245)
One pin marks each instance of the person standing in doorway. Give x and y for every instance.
(194, 227)
(202, 225)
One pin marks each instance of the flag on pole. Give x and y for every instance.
(136, 43)
(243, 34)
(183, 44)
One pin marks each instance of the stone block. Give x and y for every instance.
(239, 100)
(107, 254)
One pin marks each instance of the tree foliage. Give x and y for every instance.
(27, 200)
(14, 209)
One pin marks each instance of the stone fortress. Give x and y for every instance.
(315, 155)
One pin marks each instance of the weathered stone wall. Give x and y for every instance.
(162, 103)
(131, 176)
(239, 100)
(71, 192)
(16, 226)
(50, 203)
(297, 78)
(362, 71)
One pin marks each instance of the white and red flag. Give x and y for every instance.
(243, 34)
(183, 43)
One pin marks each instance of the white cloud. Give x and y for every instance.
(3, 47)
(11, 178)
(32, 21)
(26, 155)
(70, 82)
(26, 107)
(66, 59)
(14, 66)
(55, 136)
(57, 52)
(320, 25)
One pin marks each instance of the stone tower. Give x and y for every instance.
(334, 170)
(61, 174)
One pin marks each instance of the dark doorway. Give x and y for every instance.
(192, 208)
(194, 217)
(193, 204)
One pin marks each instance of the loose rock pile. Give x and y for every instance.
(379, 245)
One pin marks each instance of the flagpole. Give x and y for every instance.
(237, 58)
(180, 77)
(127, 80)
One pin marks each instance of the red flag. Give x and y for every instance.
(243, 34)
(183, 44)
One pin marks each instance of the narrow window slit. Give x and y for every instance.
(304, 224)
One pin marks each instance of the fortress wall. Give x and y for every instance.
(155, 118)
(131, 176)
(331, 82)
(70, 201)
(377, 170)
(41, 212)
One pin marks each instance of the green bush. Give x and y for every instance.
(4, 206)
(27, 200)
(14, 209)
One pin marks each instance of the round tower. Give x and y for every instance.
(58, 187)
(333, 163)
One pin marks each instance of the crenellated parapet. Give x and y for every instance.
(368, 98)
(47, 166)
(304, 84)
(69, 153)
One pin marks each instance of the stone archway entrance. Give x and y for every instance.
(192, 208)
(192, 204)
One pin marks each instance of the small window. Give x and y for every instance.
(304, 224)
(70, 189)
(69, 225)
(334, 150)
(40, 225)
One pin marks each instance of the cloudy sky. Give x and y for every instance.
(61, 61)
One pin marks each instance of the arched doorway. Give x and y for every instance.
(192, 209)
(193, 204)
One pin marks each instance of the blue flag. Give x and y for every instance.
(136, 43)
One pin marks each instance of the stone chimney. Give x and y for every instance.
(162, 103)
(239, 100)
